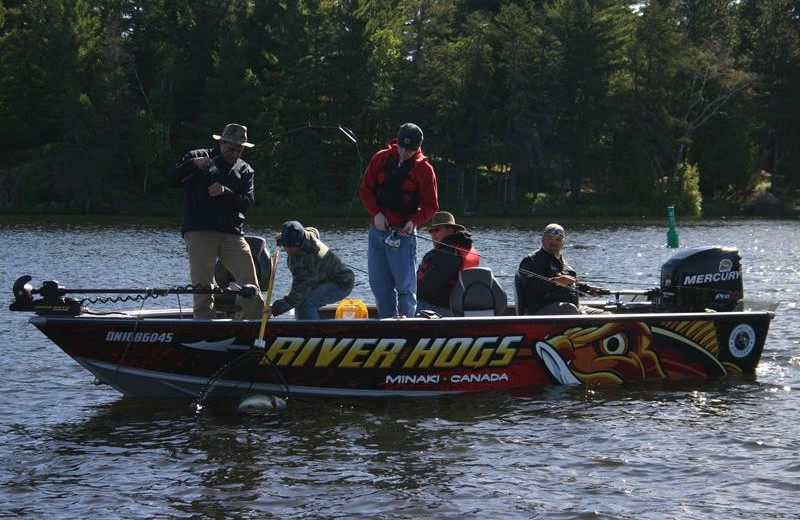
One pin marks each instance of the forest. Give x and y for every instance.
(529, 107)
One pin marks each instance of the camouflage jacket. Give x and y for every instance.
(313, 265)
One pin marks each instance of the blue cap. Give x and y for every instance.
(292, 234)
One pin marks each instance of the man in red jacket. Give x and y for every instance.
(399, 192)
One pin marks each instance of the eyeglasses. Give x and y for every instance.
(554, 231)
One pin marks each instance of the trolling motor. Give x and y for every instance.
(54, 300)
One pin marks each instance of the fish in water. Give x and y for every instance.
(261, 402)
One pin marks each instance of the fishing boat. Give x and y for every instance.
(695, 325)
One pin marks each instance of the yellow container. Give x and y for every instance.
(351, 309)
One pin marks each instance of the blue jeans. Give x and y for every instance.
(322, 294)
(392, 273)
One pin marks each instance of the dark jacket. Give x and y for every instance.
(203, 212)
(539, 292)
(313, 265)
(439, 269)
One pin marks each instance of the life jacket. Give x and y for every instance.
(469, 258)
(394, 192)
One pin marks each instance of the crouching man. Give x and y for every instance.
(318, 276)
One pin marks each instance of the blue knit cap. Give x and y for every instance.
(292, 234)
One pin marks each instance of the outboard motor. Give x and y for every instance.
(702, 278)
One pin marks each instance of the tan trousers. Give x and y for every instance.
(204, 247)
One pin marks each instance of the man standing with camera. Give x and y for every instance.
(218, 190)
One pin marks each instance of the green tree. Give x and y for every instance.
(461, 75)
(771, 47)
(592, 39)
(527, 92)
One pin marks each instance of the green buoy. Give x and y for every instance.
(672, 234)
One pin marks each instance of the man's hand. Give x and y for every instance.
(592, 290)
(381, 224)
(408, 229)
(597, 291)
(203, 163)
(216, 189)
(564, 279)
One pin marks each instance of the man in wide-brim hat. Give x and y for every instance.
(218, 190)
(438, 272)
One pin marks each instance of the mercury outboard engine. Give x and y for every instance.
(702, 278)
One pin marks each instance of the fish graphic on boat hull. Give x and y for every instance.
(618, 352)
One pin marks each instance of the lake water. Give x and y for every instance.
(720, 449)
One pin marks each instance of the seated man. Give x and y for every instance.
(318, 276)
(437, 274)
(549, 284)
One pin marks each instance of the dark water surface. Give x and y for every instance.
(720, 449)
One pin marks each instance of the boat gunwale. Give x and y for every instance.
(372, 322)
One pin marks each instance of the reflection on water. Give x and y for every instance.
(717, 449)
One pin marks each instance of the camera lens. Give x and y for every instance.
(392, 240)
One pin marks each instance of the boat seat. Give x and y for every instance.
(519, 295)
(477, 293)
(224, 278)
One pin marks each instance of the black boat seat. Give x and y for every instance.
(224, 278)
(477, 293)
(519, 295)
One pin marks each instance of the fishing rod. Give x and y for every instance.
(649, 293)
(575, 288)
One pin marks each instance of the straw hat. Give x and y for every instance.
(445, 218)
(234, 133)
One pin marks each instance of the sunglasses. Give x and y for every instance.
(553, 231)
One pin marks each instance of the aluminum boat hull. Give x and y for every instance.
(154, 355)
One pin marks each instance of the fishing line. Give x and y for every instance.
(130, 339)
(351, 136)
(254, 351)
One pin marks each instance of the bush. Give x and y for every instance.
(682, 191)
